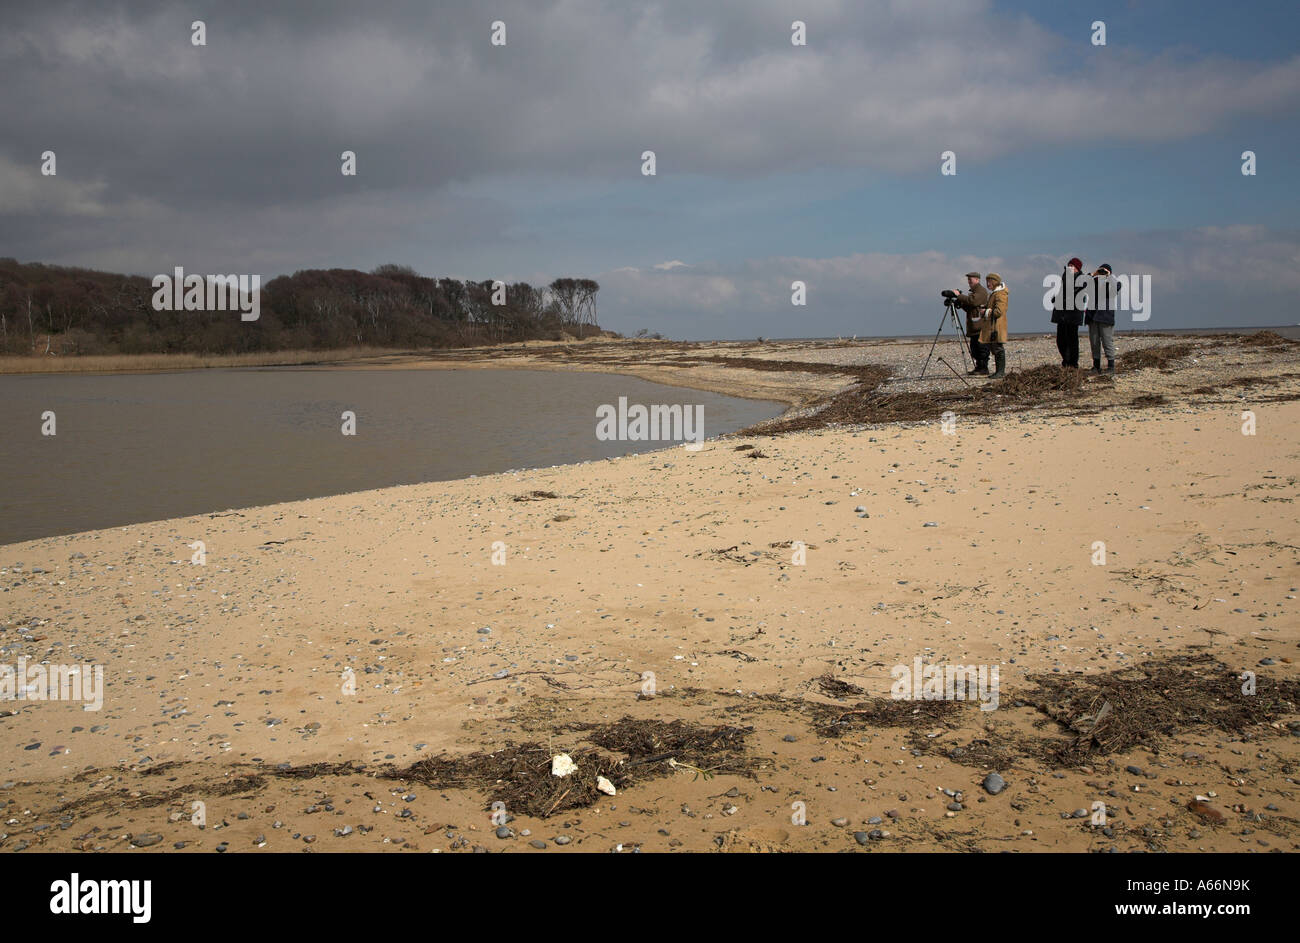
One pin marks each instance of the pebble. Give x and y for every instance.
(1207, 812)
(994, 784)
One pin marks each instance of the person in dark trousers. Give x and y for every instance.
(993, 326)
(1066, 316)
(972, 301)
(1101, 319)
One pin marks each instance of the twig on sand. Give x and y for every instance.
(954, 372)
(505, 677)
(558, 801)
(671, 754)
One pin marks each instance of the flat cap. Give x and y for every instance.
(972, 274)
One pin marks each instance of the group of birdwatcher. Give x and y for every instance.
(1089, 300)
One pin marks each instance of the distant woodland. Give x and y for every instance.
(50, 309)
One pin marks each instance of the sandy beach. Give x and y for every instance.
(717, 633)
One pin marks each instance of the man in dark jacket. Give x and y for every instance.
(972, 302)
(1101, 319)
(1066, 316)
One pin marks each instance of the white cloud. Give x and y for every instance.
(1207, 277)
(24, 189)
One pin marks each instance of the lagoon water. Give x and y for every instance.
(132, 448)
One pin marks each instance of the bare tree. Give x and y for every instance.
(586, 302)
(564, 291)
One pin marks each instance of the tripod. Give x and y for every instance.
(949, 316)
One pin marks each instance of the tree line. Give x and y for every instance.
(56, 309)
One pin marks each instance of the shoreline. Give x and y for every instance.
(866, 386)
(833, 379)
(227, 677)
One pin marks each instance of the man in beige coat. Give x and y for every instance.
(972, 301)
(993, 326)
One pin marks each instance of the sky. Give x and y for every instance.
(774, 162)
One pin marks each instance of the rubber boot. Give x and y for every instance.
(978, 371)
(999, 358)
(1096, 365)
(1110, 367)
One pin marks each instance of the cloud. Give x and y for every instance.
(1221, 275)
(227, 157)
(24, 189)
(581, 88)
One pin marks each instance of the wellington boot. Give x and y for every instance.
(1000, 358)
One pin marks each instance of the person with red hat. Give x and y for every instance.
(1066, 316)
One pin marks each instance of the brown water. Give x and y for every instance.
(146, 447)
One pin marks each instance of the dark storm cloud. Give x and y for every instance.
(227, 156)
(263, 111)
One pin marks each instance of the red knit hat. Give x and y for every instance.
(1077, 263)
